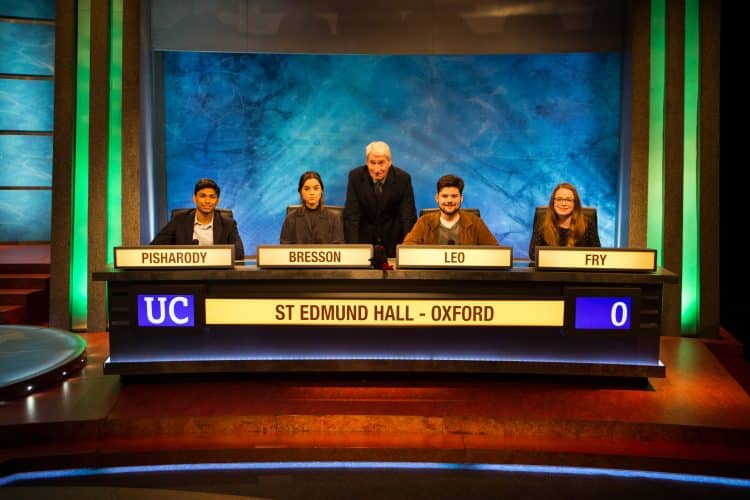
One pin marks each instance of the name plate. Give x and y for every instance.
(314, 256)
(452, 256)
(593, 259)
(174, 257)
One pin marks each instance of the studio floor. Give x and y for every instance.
(695, 421)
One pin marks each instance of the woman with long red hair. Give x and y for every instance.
(564, 223)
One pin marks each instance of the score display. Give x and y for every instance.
(603, 313)
(602, 309)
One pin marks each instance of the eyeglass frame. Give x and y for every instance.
(566, 200)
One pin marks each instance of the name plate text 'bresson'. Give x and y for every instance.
(385, 312)
(592, 259)
(312, 256)
(451, 256)
(174, 257)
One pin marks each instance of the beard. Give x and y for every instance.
(449, 210)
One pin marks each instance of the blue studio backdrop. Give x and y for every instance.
(27, 68)
(513, 126)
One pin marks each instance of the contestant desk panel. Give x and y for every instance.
(441, 343)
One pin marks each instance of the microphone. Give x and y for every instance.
(451, 242)
(196, 242)
(379, 256)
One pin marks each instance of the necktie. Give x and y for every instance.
(379, 188)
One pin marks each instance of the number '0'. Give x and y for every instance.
(620, 309)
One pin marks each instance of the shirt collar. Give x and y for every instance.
(196, 222)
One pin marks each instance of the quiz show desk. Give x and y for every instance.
(254, 319)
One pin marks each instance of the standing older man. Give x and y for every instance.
(379, 206)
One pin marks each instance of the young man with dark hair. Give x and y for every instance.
(203, 225)
(450, 225)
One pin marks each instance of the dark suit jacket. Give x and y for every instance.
(179, 231)
(386, 220)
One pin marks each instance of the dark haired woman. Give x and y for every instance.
(564, 224)
(312, 222)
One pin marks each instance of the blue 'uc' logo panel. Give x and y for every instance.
(166, 310)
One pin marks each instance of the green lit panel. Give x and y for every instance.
(80, 222)
(655, 215)
(691, 174)
(114, 161)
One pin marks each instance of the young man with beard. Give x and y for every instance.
(450, 225)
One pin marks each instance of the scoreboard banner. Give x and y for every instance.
(386, 312)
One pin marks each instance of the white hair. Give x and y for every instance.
(378, 148)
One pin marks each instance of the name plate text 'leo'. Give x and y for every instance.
(451, 256)
(174, 257)
(596, 259)
(314, 256)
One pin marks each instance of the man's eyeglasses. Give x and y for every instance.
(563, 200)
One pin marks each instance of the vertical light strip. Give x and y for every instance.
(655, 216)
(691, 174)
(80, 218)
(114, 132)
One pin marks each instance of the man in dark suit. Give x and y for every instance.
(203, 225)
(379, 206)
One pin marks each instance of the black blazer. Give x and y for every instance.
(386, 220)
(325, 227)
(179, 231)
